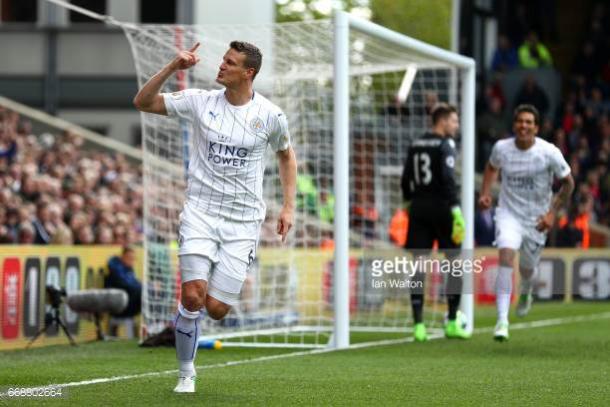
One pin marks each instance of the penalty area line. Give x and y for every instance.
(523, 325)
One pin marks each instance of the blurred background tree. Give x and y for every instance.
(426, 20)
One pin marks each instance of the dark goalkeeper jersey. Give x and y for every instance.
(428, 174)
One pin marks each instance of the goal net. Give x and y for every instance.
(287, 299)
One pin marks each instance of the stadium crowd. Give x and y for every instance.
(52, 191)
(579, 127)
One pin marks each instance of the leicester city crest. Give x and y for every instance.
(257, 125)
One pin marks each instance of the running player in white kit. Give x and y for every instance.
(222, 215)
(527, 207)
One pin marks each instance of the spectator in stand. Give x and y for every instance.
(121, 275)
(494, 90)
(583, 218)
(26, 233)
(569, 235)
(531, 93)
(10, 220)
(599, 107)
(42, 224)
(575, 132)
(62, 191)
(307, 192)
(567, 117)
(327, 202)
(491, 127)
(5, 235)
(399, 227)
(547, 130)
(533, 54)
(586, 64)
(104, 235)
(505, 56)
(84, 235)
(583, 153)
(8, 144)
(559, 139)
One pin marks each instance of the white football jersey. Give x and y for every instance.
(227, 159)
(527, 177)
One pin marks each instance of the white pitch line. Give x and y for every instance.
(522, 325)
(550, 322)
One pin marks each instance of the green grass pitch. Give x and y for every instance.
(565, 363)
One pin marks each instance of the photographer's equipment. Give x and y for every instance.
(98, 302)
(53, 315)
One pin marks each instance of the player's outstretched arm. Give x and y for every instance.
(489, 178)
(559, 200)
(148, 98)
(287, 164)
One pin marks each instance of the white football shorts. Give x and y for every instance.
(228, 245)
(512, 234)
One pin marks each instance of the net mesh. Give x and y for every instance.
(287, 297)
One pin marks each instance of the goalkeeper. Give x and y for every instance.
(221, 219)
(429, 189)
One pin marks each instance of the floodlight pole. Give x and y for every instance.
(341, 179)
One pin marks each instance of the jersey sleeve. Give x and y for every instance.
(447, 164)
(279, 135)
(183, 103)
(495, 158)
(558, 164)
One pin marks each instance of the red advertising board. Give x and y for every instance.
(11, 297)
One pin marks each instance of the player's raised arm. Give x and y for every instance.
(287, 164)
(148, 98)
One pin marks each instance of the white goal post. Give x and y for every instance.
(343, 22)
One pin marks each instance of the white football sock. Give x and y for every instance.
(503, 289)
(187, 338)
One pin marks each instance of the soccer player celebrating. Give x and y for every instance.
(223, 211)
(428, 185)
(527, 207)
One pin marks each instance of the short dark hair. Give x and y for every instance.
(441, 111)
(127, 249)
(254, 57)
(526, 108)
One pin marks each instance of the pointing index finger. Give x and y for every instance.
(194, 47)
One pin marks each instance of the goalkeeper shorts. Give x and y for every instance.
(217, 250)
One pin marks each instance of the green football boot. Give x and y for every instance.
(419, 332)
(453, 330)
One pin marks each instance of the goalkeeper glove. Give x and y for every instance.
(459, 226)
